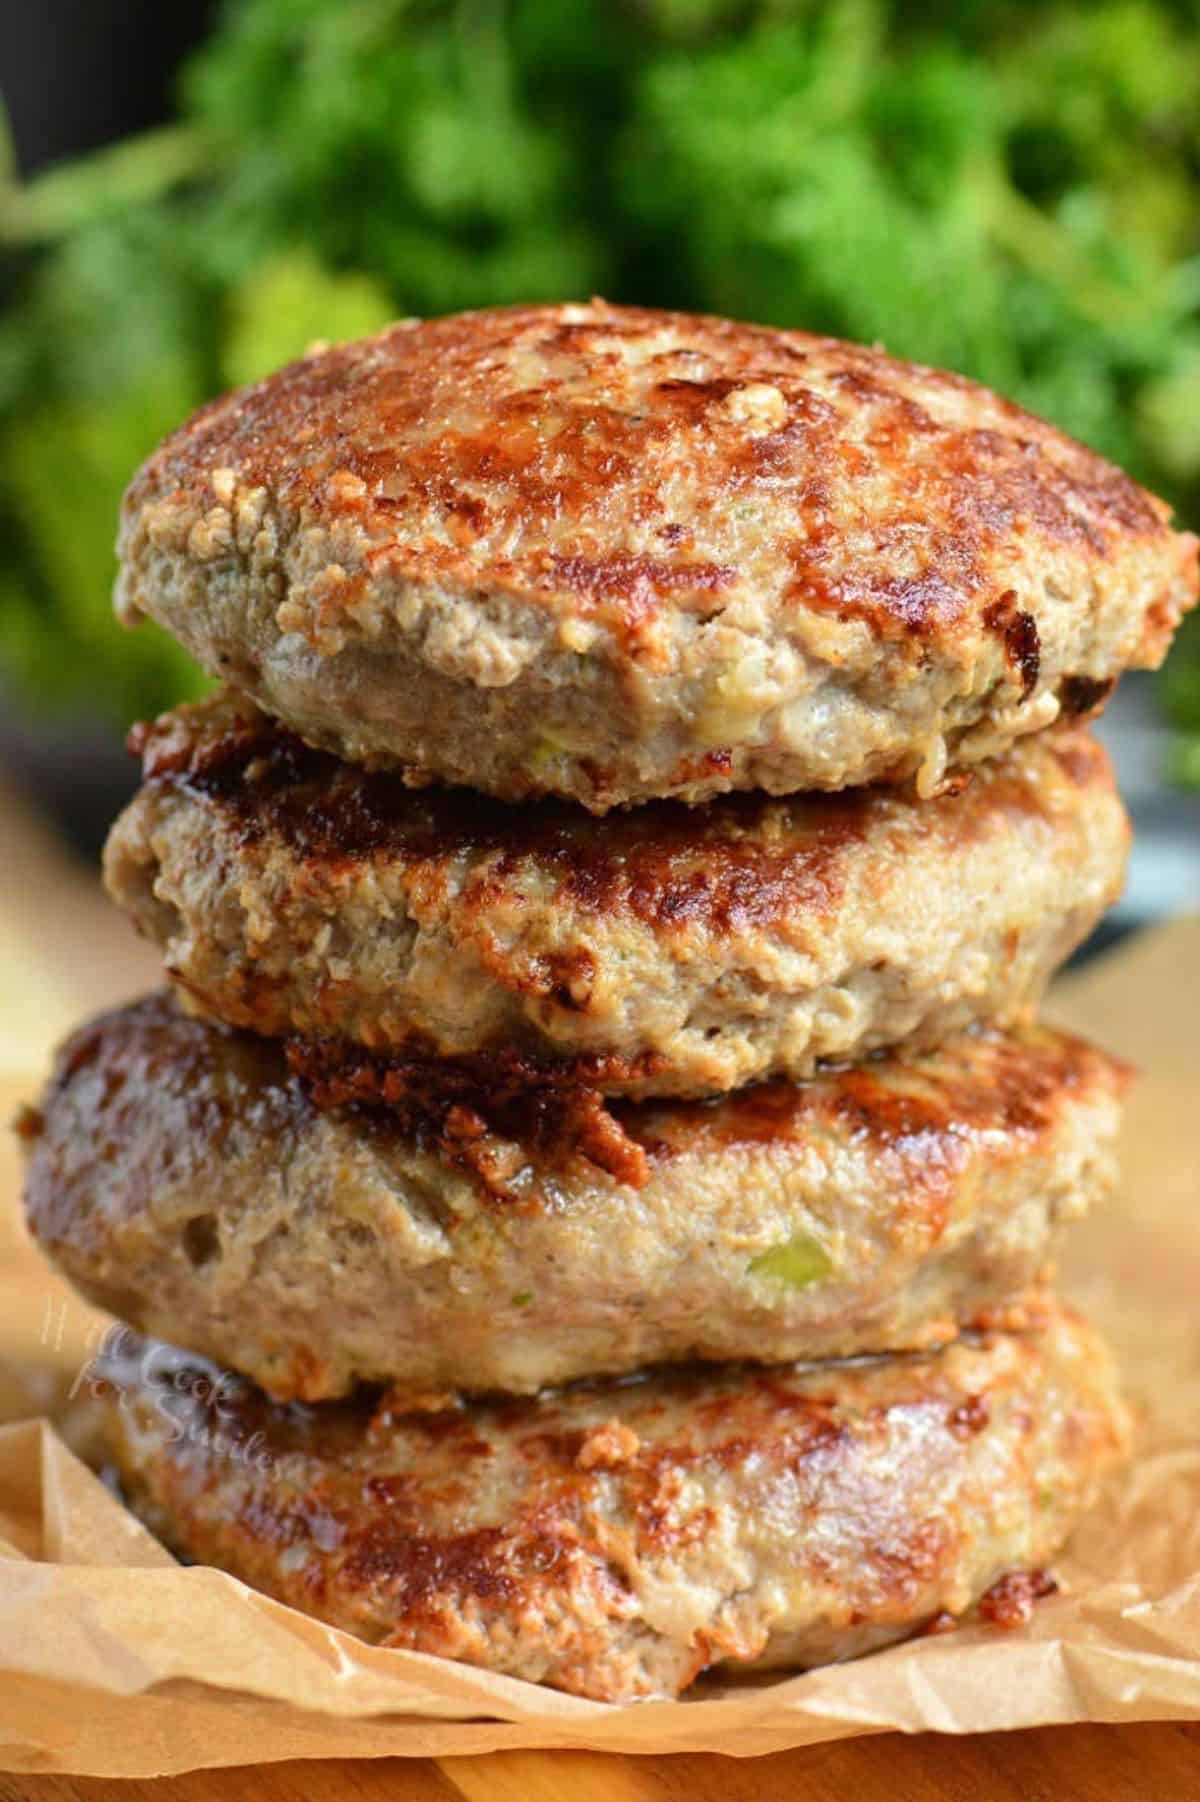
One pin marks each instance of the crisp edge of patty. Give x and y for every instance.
(666, 952)
(616, 1541)
(181, 1179)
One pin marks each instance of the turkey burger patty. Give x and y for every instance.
(667, 950)
(612, 553)
(618, 1539)
(180, 1177)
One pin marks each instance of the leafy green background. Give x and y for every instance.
(1010, 189)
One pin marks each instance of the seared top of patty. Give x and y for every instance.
(739, 863)
(617, 463)
(614, 553)
(178, 1174)
(927, 1113)
(669, 950)
(618, 1538)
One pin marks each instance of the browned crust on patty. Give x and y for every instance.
(667, 864)
(925, 1111)
(674, 950)
(416, 437)
(927, 1108)
(181, 1178)
(616, 1540)
(612, 553)
(739, 862)
(471, 1102)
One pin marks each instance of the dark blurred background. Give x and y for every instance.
(79, 74)
(190, 193)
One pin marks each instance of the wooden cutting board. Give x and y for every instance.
(63, 952)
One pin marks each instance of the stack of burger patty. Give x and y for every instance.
(598, 1111)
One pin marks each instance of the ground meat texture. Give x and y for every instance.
(667, 950)
(616, 1540)
(181, 1178)
(612, 554)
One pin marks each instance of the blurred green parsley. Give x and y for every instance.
(1009, 189)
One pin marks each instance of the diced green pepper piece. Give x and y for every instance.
(799, 1262)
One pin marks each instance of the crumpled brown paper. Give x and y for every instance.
(114, 1661)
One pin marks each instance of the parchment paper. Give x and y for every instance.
(114, 1661)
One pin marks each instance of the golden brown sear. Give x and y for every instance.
(612, 553)
(668, 950)
(179, 1176)
(618, 1539)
